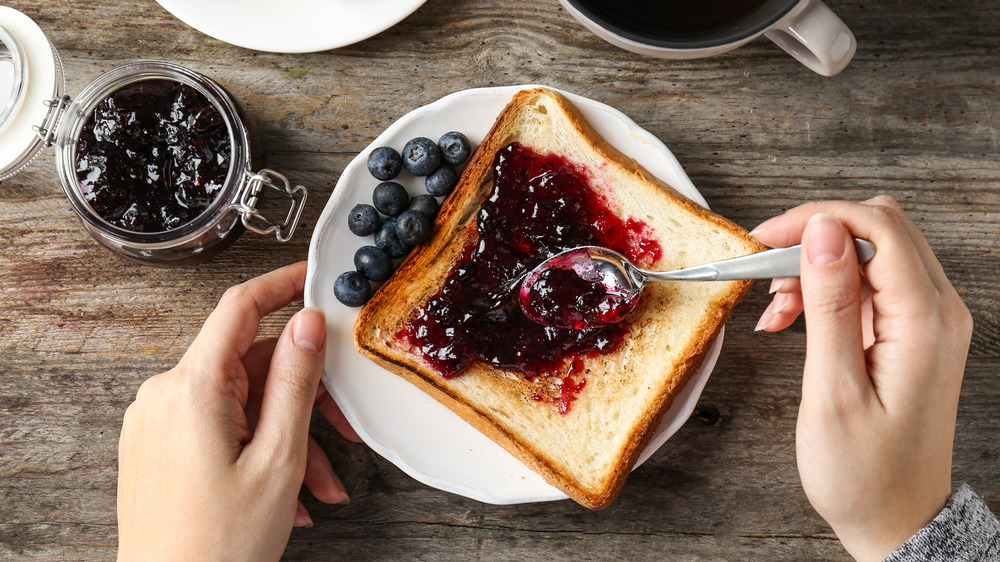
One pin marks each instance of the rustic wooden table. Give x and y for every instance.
(916, 115)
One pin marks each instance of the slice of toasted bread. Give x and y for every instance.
(587, 451)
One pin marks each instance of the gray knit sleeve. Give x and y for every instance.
(965, 530)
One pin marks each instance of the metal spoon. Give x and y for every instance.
(591, 286)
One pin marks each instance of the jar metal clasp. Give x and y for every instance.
(254, 221)
(46, 132)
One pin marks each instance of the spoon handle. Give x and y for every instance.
(769, 264)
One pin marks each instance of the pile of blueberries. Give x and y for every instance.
(407, 221)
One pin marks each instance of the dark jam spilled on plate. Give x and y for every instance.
(540, 205)
(153, 156)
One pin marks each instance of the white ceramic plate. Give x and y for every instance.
(400, 422)
(291, 26)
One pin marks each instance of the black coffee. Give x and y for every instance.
(672, 18)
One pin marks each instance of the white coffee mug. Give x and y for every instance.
(807, 29)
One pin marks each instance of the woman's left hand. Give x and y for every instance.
(213, 453)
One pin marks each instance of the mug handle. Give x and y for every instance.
(816, 37)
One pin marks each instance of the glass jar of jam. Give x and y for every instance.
(160, 162)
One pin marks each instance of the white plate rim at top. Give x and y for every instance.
(397, 420)
(291, 26)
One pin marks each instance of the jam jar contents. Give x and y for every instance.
(153, 155)
(540, 205)
(574, 291)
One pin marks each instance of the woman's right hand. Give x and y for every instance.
(885, 355)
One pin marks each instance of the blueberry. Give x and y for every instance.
(390, 198)
(412, 227)
(442, 181)
(426, 205)
(364, 220)
(352, 288)
(421, 156)
(387, 241)
(455, 148)
(384, 163)
(374, 263)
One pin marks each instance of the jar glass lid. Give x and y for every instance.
(30, 75)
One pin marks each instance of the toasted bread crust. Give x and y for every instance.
(482, 390)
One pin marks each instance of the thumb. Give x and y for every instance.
(290, 390)
(831, 298)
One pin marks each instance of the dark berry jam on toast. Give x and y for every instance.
(540, 205)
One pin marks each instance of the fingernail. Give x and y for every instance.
(823, 239)
(332, 491)
(776, 284)
(763, 226)
(302, 518)
(339, 489)
(309, 329)
(779, 303)
(765, 318)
